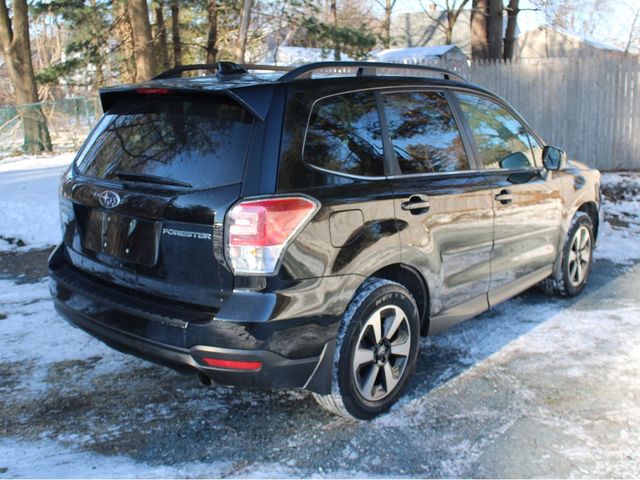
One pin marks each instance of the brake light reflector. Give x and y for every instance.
(258, 231)
(232, 364)
(153, 91)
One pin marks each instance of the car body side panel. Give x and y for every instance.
(365, 246)
(528, 230)
(450, 244)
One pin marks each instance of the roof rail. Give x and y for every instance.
(221, 69)
(366, 69)
(273, 68)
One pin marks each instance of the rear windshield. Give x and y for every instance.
(202, 143)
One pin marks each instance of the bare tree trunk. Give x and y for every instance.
(160, 35)
(99, 73)
(175, 33)
(241, 43)
(14, 40)
(495, 29)
(212, 38)
(388, 9)
(510, 34)
(290, 32)
(632, 31)
(336, 41)
(122, 30)
(479, 36)
(142, 42)
(448, 34)
(448, 29)
(452, 11)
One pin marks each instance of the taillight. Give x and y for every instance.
(258, 231)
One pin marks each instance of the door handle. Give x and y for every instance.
(416, 204)
(504, 197)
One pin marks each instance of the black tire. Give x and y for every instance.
(566, 283)
(386, 301)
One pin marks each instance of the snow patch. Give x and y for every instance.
(32, 162)
(561, 340)
(48, 459)
(29, 216)
(33, 331)
(619, 236)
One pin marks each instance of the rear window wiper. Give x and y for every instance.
(146, 178)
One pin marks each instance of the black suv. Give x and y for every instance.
(302, 230)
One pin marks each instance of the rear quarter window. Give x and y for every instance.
(343, 135)
(200, 142)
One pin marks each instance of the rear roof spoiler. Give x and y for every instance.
(255, 99)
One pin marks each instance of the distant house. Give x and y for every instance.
(547, 42)
(447, 54)
(418, 29)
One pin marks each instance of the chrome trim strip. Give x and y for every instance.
(341, 174)
(435, 174)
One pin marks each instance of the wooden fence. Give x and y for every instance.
(589, 107)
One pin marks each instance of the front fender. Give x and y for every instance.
(581, 187)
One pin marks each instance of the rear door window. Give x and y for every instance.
(502, 140)
(202, 143)
(424, 133)
(344, 136)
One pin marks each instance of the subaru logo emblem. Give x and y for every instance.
(109, 199)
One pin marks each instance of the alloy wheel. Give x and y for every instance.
(579, 256)
(382, 353)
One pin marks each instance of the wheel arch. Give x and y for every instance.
(405, 275)
(414, 282)
(591, 209)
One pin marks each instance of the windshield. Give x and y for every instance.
(202, 143)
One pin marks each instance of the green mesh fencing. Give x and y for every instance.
(63, 124)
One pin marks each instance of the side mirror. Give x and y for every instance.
(553, 158)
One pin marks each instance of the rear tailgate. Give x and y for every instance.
(143, 207)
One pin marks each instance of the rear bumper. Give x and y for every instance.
(292, 353)
(275, 372)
